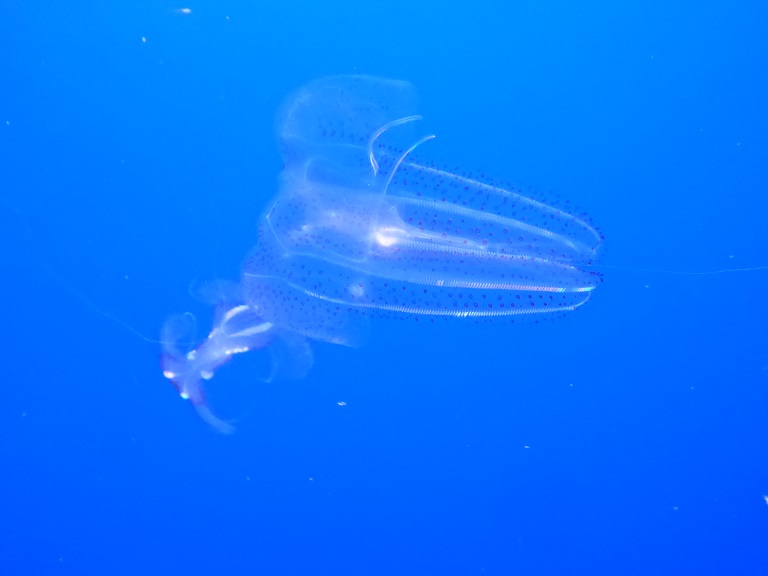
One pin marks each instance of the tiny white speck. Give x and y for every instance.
(144, 39)
(342, 403)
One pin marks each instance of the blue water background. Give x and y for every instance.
(137, 151)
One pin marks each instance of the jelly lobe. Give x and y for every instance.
(329, 256)
(360, 228)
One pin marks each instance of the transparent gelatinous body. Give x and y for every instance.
(360, 227)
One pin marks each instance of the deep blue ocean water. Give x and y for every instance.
(137, 153)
